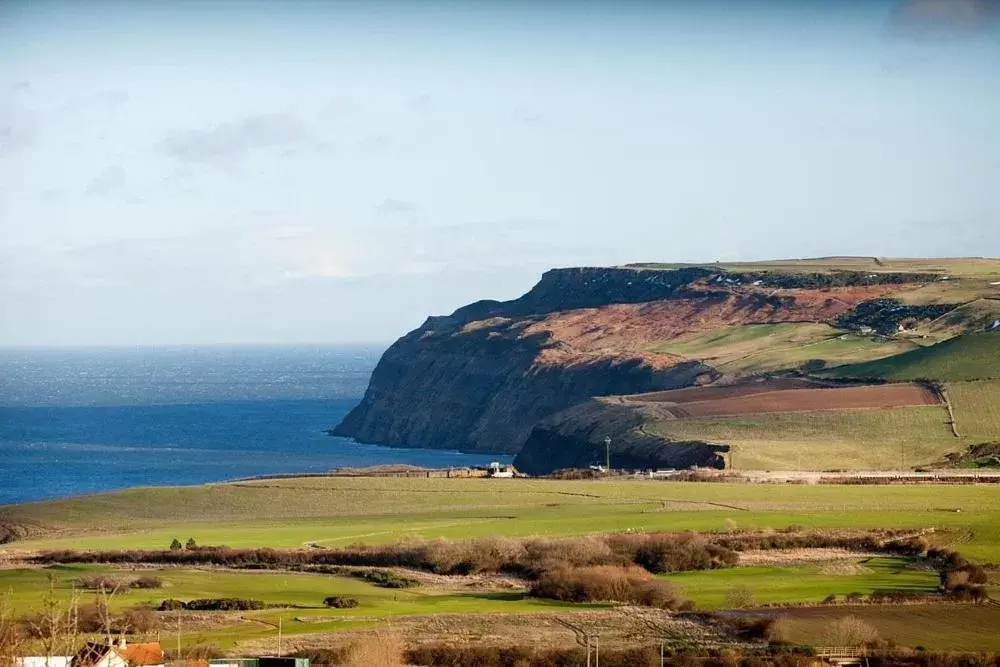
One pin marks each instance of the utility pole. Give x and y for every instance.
(178, 637)
(661, 653)
(279, 636)
(588, 649)
(607, 454)
(597, 651)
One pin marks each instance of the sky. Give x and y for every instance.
(305, 171)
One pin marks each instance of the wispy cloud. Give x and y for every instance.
(112, 179)
(18, 128)
(235, 140)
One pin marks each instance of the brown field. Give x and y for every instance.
(786, 396)
(714, 393)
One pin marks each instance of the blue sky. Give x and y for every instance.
(237, 172)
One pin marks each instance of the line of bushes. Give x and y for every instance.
(657, 552)
(111, 584)
(960, 580)
(213, 604)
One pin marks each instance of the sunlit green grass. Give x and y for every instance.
(341, 511)
(298, 598)
(803, 583)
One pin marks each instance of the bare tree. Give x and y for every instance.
(55, 625)
(11, 636)
(850, 631)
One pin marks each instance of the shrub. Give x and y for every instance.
(385, 578)
(100, 583)
(830, 599)
(175, 545)
(141, 621)
(147, 582)
(172, 605)
(850, 631)
(384, 649)
(190, 544)
(740, 598)
(340, 602)
(608, 583)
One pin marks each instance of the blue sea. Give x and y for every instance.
(89, 420)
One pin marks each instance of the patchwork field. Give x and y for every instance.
(330, 511)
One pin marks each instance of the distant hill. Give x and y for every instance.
(553, 373)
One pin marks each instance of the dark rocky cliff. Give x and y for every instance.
(575, 438)
(475, 380)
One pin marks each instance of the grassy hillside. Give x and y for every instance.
(977, 409)
(969, 357)
(762, 348)
(824, 439)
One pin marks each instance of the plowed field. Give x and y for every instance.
(785, 396)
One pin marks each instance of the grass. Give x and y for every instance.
(969, 357)
(300, 597)
(977, 409)
(824, 439)
(803, 583)
(944, 627)
(340, 511)
(758, 348)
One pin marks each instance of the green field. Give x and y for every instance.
(977, 409)
(968, 357)
(339, 511)
(760, 348)
(298, 599)
(824, 439)
(804, 583)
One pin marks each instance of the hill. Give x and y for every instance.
(974, 356)
(522, 376)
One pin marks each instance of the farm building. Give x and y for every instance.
(119, 654)
(498, 469)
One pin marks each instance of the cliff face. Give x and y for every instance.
(479, 379)
(483, 377)
(575, 438)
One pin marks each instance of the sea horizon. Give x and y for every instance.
(77, 421)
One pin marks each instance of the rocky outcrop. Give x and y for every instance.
(575, 438)
(483, 390)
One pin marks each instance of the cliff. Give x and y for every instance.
(575, 438)
(481, 378)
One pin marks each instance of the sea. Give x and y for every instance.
(80, 421)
